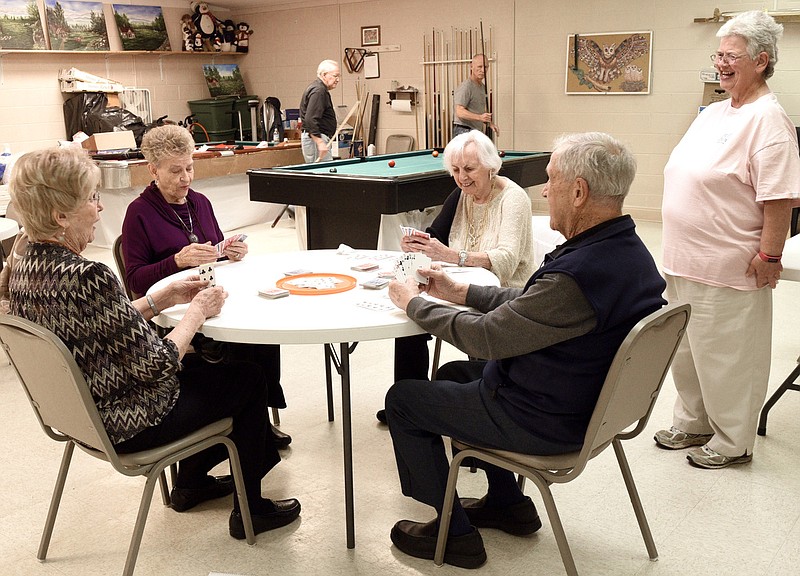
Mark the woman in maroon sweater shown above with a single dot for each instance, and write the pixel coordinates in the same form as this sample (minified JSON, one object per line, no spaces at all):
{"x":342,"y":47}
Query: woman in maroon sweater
{"x":169,"y":228}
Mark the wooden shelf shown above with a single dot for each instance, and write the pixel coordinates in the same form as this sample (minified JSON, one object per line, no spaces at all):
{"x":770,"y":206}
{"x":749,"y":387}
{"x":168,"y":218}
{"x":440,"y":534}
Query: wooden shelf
{"x":781,"y":16}
{"x":122,"y":53}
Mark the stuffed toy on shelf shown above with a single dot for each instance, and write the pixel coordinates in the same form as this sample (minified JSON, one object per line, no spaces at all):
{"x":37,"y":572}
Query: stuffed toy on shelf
{"x":208,"y":26}
{"x":242,"y":40}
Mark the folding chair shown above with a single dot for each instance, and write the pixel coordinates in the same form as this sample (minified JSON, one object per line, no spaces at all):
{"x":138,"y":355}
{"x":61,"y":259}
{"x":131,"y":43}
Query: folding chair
{"x":64,"y":406}
{"x":626,"y":401}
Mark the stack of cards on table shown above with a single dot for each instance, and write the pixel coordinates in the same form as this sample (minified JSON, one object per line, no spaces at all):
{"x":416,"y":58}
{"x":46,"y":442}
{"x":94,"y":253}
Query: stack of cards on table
{"x":411,"y":231}
{"x":409,"y":263}
{"x":206,"y":272}
{"x":227,"y":242}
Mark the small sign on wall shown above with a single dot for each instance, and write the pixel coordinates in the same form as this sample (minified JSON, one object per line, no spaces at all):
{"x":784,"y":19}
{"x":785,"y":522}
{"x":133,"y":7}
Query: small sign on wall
{"x":372,"y":67}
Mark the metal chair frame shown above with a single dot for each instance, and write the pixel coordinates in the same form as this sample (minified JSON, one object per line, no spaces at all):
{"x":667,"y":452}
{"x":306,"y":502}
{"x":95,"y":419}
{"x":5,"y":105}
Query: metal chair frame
{"x":626,"y":401}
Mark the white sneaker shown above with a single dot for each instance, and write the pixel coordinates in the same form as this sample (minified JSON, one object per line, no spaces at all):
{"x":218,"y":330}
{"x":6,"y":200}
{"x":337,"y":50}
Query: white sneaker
{"x":705,"y":457}
{"x":674,"y":439}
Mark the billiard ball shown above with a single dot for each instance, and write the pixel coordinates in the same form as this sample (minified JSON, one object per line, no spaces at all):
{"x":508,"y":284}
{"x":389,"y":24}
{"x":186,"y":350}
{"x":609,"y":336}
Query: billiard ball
{"x":391,"y":163}
{"x":333,"y":169}
{"x":435,"y":153}
{"x":502,"y":153}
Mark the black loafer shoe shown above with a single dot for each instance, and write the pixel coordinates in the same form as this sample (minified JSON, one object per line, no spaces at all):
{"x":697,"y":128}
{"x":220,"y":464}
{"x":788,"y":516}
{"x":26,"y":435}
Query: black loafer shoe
{"x":286,"y":512}
{"x":184,"y":499}
{"x":518,"y":519}
{"x":281,"y":439}
{"x":381,"y":416}
{"x":419,"y":540}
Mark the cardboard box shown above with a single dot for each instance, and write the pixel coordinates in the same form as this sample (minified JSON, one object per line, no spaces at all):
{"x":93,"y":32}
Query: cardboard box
{"x":80,"y":86}
{"x":102,"y":141}
{"x":713,"y":93}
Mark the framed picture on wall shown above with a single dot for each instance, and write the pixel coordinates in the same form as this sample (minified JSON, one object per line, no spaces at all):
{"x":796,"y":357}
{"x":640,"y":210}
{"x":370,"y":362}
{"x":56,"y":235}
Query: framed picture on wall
{"x":370,"y":35}
{"x":76,"y":25}
{"x":141,"y":27}
{"x":21,"y":26}
{"x":609,"y":63}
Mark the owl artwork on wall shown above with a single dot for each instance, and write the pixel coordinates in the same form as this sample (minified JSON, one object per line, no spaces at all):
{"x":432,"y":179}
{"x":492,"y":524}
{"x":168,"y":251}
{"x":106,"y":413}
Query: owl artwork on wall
{"x":615,"y":63}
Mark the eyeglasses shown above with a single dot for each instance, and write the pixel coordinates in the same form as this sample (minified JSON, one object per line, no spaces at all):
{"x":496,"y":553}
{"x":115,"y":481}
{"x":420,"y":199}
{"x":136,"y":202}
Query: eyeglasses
{"x":95,"y":198}
{"x":333,"y":75}
{"x":726,"y":58}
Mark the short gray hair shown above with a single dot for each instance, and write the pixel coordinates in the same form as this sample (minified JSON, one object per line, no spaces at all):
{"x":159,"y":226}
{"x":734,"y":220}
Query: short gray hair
{"x":761,"y":33}
{"x":167,"y":141}
{"x":607,"y":165}
{"x":327,"y":66}
{"x":50,"y":181}
{"x":487,"y":153}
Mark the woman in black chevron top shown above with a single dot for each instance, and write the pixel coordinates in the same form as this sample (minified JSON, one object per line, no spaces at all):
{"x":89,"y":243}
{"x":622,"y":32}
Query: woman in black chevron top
{"x":146,"y":391}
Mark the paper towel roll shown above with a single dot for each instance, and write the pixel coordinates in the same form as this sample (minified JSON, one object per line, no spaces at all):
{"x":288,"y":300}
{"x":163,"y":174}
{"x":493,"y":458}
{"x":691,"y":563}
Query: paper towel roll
{"x":401,"y":105}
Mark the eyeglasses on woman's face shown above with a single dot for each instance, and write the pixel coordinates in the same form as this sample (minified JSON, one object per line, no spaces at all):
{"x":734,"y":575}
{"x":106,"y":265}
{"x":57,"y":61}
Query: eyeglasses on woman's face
{"x":729,"y":58}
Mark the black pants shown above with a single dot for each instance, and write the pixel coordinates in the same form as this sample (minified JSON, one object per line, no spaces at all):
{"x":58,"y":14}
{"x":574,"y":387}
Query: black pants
{"x":411,"y":357}
{"x":458,"y":405}
{"x":267,"y":356}
{"x":210,"y":392}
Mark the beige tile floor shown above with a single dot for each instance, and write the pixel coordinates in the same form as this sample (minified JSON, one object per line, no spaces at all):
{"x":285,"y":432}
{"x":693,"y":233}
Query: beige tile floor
{"x":743,"y":520}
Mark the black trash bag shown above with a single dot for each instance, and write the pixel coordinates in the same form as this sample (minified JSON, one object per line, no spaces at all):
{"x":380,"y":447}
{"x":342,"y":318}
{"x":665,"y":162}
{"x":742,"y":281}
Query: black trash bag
{"x":78,"y":108}
{"x":89,"y":112}
{"x":114,"y":119}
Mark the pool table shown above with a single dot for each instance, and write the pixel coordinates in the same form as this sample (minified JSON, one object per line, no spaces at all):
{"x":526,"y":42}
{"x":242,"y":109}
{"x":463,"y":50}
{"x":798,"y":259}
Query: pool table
{"x":344,"y":199}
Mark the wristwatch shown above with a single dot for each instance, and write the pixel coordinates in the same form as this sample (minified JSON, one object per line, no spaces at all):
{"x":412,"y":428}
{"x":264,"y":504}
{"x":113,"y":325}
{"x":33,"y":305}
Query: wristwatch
{"x":462,"y":258}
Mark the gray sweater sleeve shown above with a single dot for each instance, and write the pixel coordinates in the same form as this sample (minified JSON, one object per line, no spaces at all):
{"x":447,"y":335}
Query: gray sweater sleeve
{"x":508,"y":322}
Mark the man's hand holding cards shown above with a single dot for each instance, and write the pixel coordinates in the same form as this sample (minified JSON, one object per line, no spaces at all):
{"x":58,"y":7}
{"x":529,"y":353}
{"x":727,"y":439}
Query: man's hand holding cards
{"x":408,"y":266}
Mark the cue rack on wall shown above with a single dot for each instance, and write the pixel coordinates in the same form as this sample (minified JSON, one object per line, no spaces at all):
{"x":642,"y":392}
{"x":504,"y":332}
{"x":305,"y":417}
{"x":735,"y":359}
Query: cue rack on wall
{"x":445,"y":66}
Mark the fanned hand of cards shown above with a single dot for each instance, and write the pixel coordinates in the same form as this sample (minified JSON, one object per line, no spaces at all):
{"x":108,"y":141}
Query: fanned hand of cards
{"x":221,"y":246}
{"x":408,"y":265}
{"x":411,"y":231}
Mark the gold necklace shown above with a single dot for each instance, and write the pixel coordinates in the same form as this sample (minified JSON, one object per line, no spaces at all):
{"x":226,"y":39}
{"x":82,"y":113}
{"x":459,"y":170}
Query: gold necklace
{"x":474,"y":232}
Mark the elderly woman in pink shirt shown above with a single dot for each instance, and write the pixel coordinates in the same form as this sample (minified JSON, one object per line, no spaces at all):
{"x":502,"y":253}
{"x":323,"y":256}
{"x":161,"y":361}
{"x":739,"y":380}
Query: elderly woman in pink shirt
{"x":729,"y":186}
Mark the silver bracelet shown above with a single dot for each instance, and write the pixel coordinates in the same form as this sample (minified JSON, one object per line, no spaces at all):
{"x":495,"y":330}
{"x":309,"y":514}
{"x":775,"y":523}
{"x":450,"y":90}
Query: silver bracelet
{"x":152,"y":304}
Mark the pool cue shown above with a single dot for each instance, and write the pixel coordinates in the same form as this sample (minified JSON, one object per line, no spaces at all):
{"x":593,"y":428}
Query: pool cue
{"x":487,"y":125}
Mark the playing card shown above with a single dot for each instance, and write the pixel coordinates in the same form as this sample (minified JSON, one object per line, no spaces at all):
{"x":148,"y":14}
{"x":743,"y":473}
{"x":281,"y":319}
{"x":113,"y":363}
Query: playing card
{"x":365,"y":267}
{"x":411,"y":231}
{"x":227,"y":242}
{"x":376,"y":283}
{"x":409,"y":264}
{"x":273,"y":292}
{"x":206,"y":272}
{"x":376,"y":306}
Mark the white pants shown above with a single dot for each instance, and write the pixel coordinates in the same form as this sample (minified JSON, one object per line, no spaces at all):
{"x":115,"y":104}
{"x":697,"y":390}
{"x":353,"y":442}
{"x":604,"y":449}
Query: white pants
{"x":721,"y":369}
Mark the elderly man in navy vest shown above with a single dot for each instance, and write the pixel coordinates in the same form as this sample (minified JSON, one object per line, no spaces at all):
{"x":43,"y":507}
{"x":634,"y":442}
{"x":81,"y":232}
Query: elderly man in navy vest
{"x":548,"y":347}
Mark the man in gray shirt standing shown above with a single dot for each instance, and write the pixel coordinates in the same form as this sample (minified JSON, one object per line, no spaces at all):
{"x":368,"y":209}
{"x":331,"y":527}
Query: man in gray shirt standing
{"x":470,"y":101}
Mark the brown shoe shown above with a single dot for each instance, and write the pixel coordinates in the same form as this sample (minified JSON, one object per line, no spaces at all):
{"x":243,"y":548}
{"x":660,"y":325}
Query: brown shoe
{"x":418,"y":539}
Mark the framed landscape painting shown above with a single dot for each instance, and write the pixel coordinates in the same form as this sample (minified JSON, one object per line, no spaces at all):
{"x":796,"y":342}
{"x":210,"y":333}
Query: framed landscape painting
{"x":141,"y":27}
{"x":75,"y":25}
{"x":21,"y":26}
